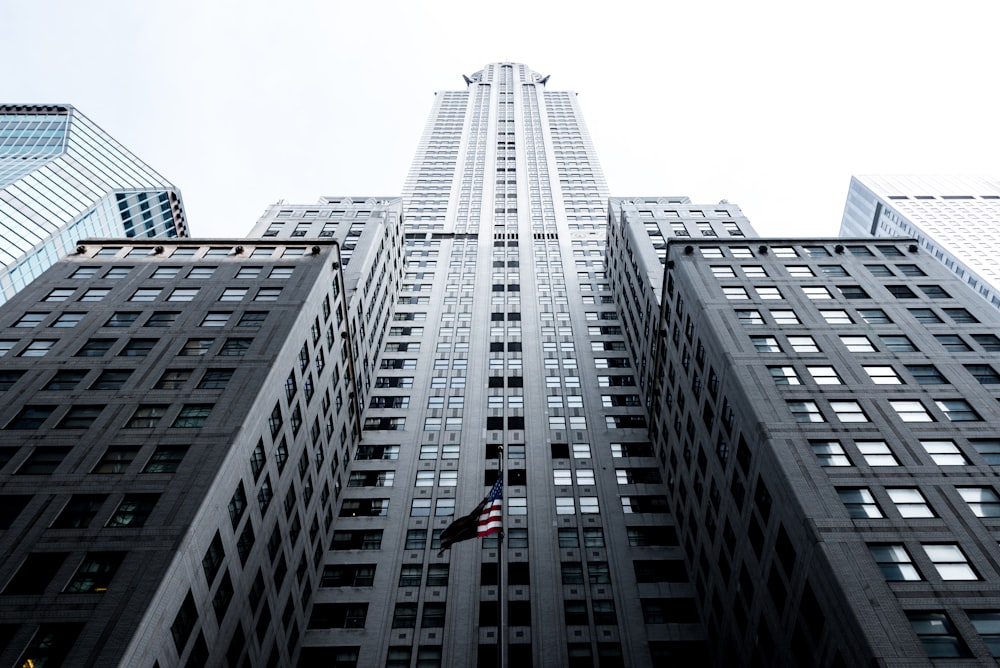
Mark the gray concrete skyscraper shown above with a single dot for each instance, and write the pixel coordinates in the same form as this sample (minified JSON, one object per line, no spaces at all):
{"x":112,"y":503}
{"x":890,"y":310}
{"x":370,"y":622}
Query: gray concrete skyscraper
{"x":62,"y":179}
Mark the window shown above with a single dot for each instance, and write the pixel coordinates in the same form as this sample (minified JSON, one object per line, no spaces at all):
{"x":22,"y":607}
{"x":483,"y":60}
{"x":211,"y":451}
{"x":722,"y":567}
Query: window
{"x":879,"y":270}
{"x":901,"y":292}
{"x":79,"y":417}
{"x":111,"y":379}
{"x":909,"y":502}
{"x":894,"y":562}
{"x":937,"y":635}
{"x":267,"y":295}
{"x":281,"y":272}
{"x":735,"y":292}
{"x":877,"y":453}
{"x":165,"y":459}
{"x":216,"y":319}
{"x":137,"y":348}
{"x":836,"y":317}
{"x":800,"y":271}
{"x":926,"y":374}
{"x":162,"y":319}
{"x":911,"y":411}
{"x":723,"y":272}
{"x":70,"y":319}
{"x":30,"y":417}
{"x":803,"y":344}
{"x":252,"y":319}
{"x":30,"y":319}
{"x":983,"y":501}
{"x":58,"y":295}
{"x":849,"y":411}
{"x":173,"y":379}
{"x":182,"y":294}
{"x":898,"y":343}
{"x":95,"y":572}
{"x":805,"y":411}
{"x":987,"y":625}
{"x":215,"y":379}
{"x":95,"y":348}
{"x":952,"y":342}
{"x":824,"y":375}
{"x":934,"y":291}
{"x":133,"y":511}
{"x":945,"y":453}
{"x":768,"y":292}
{"x":784,"y":375}
{"x":859,"y":502}
{"x":146,"y":417}
{"x":883,"y":375}
{"x":765,"y":344}
{"x":816,"y":292}
{"x":145,"y":294}
{"x":989,"y":342}
{"x":857,"y":344}
{"x":785,"y":317}
{"x":784,"y":251}
{"x":94,"y":294}
{"x":874,"y":316}
{"x":958,"y":410}
{"x":201,"y":272}
{"x":195,"y":347}
{"x":233,"y":294}
{"x":38,"y":348}
{"x":950,"y":562}
{"x":925,"y":316}
{"x":749,"y":317}
{"x":192,"y":416}
{"x":960,"y":315}
{"x":63,"y":380}
{"x":983,"y":373}
{"x":235,"y":347}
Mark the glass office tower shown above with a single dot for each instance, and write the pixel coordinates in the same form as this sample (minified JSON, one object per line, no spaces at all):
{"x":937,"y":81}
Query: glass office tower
{"x":63,"y":179}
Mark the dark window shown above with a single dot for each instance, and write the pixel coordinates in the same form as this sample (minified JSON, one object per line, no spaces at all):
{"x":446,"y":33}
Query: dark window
{"x":138,"y":347}
{"x":853,"y":292}
{"x":898,"y":343}
{"x":901,"y":292}
{"x":984,"y":373}
{"x":95,"y":348}
{"x":111,"y":379}
{"x":192,"y":416}
{"x":133,"y":511}
{"x":43,"y":460}
{"x":116,"y":459}
{"x":936,"y":633}
{"x":960,"y":315}
{"x":162,"y":319}
{"x":173,"y":379}
{"x":50,"y":645}
{"x":252,"y":319}
{"x":121,"y":319}
{"x":35,"y":573}
{"x":213,"y":559}
{"x":8,"y":378}
{"x":95,"y":572}
{"x":235,"y":347}
{"x":146,"y":417}
{"x":952,"y":342}
{"x":79,"y":511}
{"x":184,"y":623}
{"x":925,"y":315}
{"x":166,"y":459}
{"x":989,"y":342}
{"x":237,"y":504}
{"x":66,"y":379}
{"x":79,"y":417}
{"x":935,"y":291}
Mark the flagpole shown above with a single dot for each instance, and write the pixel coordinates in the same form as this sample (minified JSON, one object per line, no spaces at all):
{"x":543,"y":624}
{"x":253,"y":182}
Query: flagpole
{"x":501,"y":616}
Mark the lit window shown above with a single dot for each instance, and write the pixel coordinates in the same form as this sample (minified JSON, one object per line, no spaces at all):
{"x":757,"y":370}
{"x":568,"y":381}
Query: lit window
{"x":911,"y":411}
{"x":784,"y":317}
{"x":836,"y":317}
{"x":909,"y":502}
{"x":182,"y":295}
{"x":983,"y":501}
{"x":735,"y":292}
{"x":883,"y":375}
{"x":145,"y":295}
{"x":769,"y":292}
{"x":749,"y":317}
{"x":950,"y":562}
{"x":824,"y":375}
{"x":857,"y":344}
{"x":803,"y":344}
{"x":877,"y":453}
{"x":800,"y":271}
{"x":94,"y":294}
{"x":37,"y":348}
{"x":233,"y":294}
{"x":945,"y":453}
{"x":816,"y":292}
{"x":849,"y":411}
{"x":267,"y":294}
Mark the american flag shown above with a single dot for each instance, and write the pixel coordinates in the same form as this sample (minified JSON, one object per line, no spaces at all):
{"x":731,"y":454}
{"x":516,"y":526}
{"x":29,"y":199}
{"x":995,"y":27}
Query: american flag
{"x":491,"y":517}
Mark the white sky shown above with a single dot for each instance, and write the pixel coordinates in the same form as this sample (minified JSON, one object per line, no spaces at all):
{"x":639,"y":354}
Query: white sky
{"x":771,"y":105}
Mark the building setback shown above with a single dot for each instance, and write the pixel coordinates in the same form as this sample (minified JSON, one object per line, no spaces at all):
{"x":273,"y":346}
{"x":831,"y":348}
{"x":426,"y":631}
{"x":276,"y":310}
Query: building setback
{"x":62,"y":179}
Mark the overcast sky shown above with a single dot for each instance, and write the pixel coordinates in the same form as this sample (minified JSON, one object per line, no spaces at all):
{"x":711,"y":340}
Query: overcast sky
{"x":771,"y":105}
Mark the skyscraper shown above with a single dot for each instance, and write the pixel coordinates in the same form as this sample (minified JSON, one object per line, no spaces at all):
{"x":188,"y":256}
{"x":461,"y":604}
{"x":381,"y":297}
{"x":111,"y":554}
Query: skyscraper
{"x":956,"y":219}
{"x":62,"y":179}
{"x":716,"y":447}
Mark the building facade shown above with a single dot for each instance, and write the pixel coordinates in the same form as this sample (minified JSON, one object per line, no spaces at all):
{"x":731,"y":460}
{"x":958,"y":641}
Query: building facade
{"x":826,"y":412}
{"x":63,"y":179}
{"x":953,"y":218}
